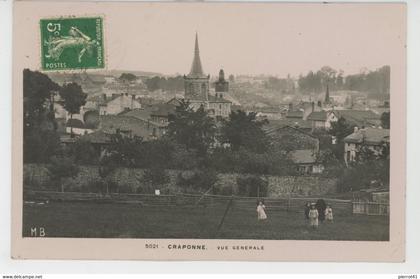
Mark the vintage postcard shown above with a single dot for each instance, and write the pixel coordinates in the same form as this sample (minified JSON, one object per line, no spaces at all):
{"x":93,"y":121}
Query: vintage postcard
{"x":209,"y":131}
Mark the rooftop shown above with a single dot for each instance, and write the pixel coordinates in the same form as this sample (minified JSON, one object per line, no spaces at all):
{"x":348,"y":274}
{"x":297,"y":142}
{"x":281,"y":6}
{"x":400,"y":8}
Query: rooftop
{"x":75,"y":123}
{"x":110,"y":124}
{"x":359,"y":117}
{"x":305,"y":156}
{"x":291,"y":122}
{"x":318,"y":116}
{"x":373,"y":136}
{"x":294,"y":114}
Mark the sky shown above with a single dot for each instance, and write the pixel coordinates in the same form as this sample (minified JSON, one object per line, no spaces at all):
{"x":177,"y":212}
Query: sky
{"x":245,"y":38}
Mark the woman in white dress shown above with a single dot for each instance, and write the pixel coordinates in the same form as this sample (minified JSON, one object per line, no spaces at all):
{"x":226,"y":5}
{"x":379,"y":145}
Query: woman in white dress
{"x":261,"y":211}
{"x":313,"y":217}
{"x":329,"y":214}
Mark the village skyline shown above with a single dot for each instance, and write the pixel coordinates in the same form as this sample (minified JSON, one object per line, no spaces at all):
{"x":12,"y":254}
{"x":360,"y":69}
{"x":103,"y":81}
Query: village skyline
{"x":279,"y":43}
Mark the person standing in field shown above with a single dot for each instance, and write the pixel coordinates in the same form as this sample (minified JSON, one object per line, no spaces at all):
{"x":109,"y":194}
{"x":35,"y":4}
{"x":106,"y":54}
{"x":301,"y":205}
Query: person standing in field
{"x":306,"y":210}
{"x":261,"y":211}
{"x":313,"y":217}
{"x":329,"y":214}
{"x":321,"y":206}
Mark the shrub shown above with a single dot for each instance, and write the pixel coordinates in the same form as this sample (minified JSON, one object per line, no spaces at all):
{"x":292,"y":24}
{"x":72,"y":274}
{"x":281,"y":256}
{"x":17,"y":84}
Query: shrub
{"x":199,"y":180}
{"x":252,"y":186}
{"x":61,"y":168}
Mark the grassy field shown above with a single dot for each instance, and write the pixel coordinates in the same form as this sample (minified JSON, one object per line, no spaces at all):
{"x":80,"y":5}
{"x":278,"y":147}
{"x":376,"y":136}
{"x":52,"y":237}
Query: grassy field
{"x":110,"y":220}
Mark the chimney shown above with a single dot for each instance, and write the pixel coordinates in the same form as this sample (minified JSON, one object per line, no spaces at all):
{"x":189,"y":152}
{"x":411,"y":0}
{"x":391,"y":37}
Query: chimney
{"x":220,"y":95}
{"x":313,"y":106}
{"x":133,"y":97}
{"x":216,"y":94}
{"x":290,"y":107}
{"x":356,"y":129}
{"x":104,"y":97}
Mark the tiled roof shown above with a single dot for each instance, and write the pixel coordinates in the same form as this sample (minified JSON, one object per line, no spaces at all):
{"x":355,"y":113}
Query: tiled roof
{"x":318,"y":116}
{"x":75,"y":123}
{"x":359,"y":117}
{"x":110,"y":124}
{"x":305,"y":156}
{"x":270,"y":110}
{"x":292,"y":122}
{"x":294,"y":114}
{"x":372,"y":136}
{"x":99,"y":137}
{"x":164,"y":110}
{"x":142,"y":113}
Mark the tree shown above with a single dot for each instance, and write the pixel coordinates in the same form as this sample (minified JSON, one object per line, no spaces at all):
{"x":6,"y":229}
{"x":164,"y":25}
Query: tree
{"x":127,"y":77}
{"x":231,"y":78}
{"x":73,"y":98}
{"x":107,"y":166}
{"x":199,"y":180}
{"x":125,"y":150}
{"x":40,"y":139}
{"x":244,"y":130}
{"x":170,"y":83}
{"x":194,"y":129}
{"x":84,"y":153}
{"x":341,"y":129}
{"x":155,"y":177}
{"x":385,"y":120}
{"x":252,"y":186}
{"x":62,"y":167}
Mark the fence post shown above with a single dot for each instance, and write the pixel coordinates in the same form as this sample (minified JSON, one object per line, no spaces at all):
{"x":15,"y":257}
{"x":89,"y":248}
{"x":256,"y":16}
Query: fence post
{"x":224,"y":215}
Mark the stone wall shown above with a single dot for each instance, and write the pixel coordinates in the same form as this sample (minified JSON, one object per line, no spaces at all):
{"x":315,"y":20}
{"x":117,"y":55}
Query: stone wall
{"x":298,"y":186}
{"x":131,"y":180}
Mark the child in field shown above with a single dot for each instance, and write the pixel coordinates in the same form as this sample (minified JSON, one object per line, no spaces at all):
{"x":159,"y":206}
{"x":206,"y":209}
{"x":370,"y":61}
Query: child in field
{"x":261,"y":211}
{"x":313,"y":217}
{"x":329,"y":214}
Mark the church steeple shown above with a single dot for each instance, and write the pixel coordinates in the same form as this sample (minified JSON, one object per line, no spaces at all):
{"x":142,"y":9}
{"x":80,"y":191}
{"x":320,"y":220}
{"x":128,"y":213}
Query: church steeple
{"x":196,"y":68}
{"x":327,"y":96}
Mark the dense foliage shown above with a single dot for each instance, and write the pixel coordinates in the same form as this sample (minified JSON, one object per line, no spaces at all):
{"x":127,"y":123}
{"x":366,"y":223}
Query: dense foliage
{"x":375,"y":83}
{"x":166,"y":84}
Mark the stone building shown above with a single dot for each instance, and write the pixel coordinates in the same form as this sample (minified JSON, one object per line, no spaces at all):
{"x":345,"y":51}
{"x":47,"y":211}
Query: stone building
{"x":375,"y":139}
{"x":197,"y":91}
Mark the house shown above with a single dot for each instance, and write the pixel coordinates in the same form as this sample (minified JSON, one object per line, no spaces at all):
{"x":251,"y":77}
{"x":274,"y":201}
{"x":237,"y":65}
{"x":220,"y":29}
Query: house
{"x":300,"y":124}
{"x":360,"y":118}
{"x":295,"y":114}
{"x":307,"y":108}
{"x":270,"y":113}
{"x":375,"y":139}
{"x":162,"y":112}
{"x":77,"y":127}
{"x":289,"y":138}
{"x":117,"y":104}
{"x":306,"y":161}
{"x":131,"y":126}
{"x":322,"y":119}
{"x":218,"y":106}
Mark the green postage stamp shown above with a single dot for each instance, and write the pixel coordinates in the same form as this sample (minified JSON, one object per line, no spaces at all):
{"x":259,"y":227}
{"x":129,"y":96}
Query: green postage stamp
{"x":72,"y":43}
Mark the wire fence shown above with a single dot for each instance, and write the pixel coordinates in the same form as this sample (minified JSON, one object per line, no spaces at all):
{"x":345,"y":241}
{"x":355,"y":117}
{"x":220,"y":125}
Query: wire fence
{"x":190,"y":200}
